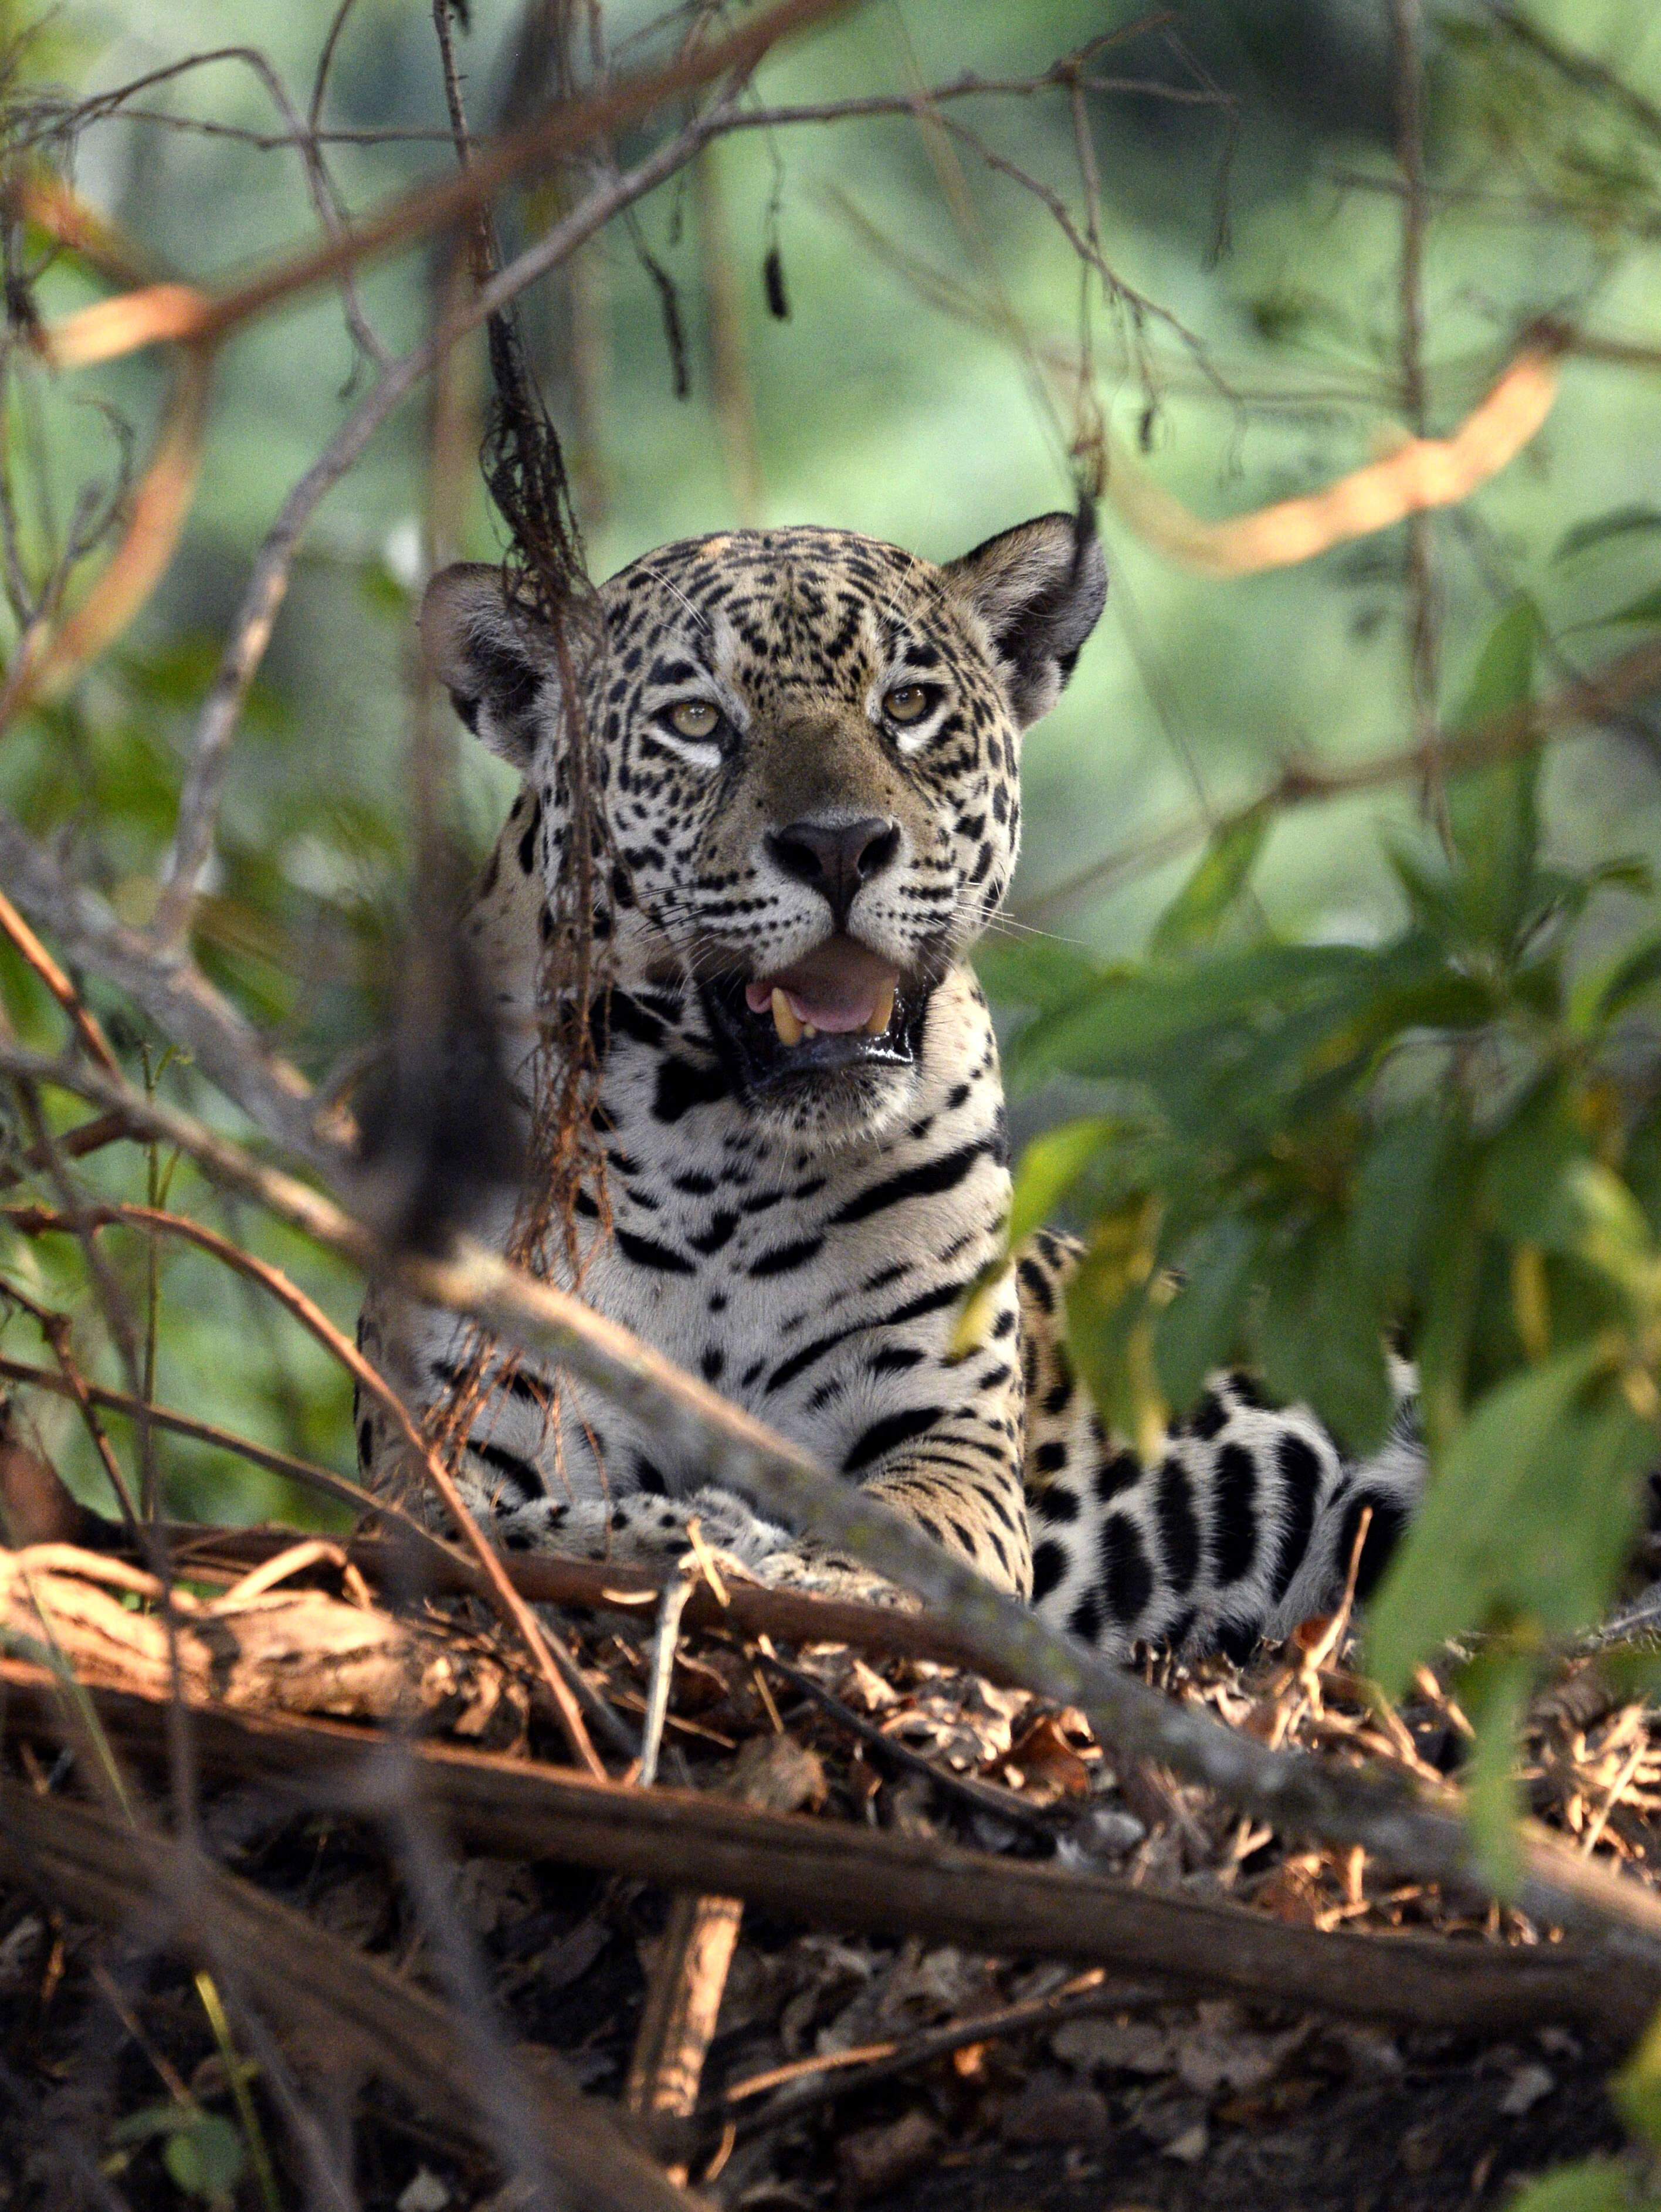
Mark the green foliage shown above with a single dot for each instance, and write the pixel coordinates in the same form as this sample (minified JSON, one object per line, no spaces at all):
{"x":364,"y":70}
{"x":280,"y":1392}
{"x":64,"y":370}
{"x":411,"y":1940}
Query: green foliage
{"x":1637,"y":2087}
{"x":1596,"y":2184}
{"x":1622,"y":523}
{"x":204,"y":2155}
{"x":1454,"y":1133}
{"x":1216,"y":889}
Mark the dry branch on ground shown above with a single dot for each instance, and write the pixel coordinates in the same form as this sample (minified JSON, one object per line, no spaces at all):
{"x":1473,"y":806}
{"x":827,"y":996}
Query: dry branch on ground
{"x":998,"y":1806}
{"x":1168,"y":1896}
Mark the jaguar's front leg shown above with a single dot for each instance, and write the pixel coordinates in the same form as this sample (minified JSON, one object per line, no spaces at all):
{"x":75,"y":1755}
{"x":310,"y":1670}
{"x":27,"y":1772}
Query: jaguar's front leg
{"x":954,"y":1466}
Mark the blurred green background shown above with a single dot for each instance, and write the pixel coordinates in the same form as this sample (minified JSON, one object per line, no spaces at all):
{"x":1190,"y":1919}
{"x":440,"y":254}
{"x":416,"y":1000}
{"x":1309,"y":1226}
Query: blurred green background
{"x":1268,"y":229}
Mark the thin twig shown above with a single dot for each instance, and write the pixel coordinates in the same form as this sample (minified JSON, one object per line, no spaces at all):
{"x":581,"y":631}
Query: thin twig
{"x":1577,"y":68}
{"x":1006,"y":1805}
{"x":540,"y":1641}
{"x":1082,"y":1996}
{"x":1294,"y":1791}
{"x":854,"y":1880}
{"x":90,"y":1136}
{"x":107,"y":1291}
{"x":191,"y":850}
{"x":60,"y":984}
{"x":51,"y":653}
{"x":1406,"y":26}
{"x":1503,"y":737}
{"x":118,"y":327}
{"x":70,"y":1382}
{"x":660,"y":1673}
{"x":303,"y":1472}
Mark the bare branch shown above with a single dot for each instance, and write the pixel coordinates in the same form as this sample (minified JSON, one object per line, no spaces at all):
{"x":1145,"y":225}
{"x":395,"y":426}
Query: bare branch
{"x":193,"y":835}
{"x":30,"y":949}
{"x":1293,"y":1791}
{"x":1578,"y":69}
{"x":75,"y":1144}
{"x":835,"y":1875}
{"x":325,"y":1991}
{"x":1593,"y":700}
{"x":72,"y":1385}
{"x":120,"y":325}
{"x":156,"y":511}
{"x":538,"y":1639}
{"x":1406,"y":27}
{"x":175,"y":994}
{"x":301,"y":1471}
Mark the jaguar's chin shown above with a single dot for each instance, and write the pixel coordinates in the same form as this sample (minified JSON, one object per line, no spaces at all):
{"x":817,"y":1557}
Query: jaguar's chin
{"x":833,"y":1039}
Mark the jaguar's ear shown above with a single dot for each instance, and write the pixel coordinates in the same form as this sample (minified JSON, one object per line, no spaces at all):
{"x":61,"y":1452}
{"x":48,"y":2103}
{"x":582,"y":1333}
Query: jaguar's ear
{"x":1039,"y":589}
{"x":492,"y":659}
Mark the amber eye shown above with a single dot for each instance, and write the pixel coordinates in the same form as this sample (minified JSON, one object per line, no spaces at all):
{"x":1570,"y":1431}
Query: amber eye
{"x":907,"y":702}
{"x":694,"y":718}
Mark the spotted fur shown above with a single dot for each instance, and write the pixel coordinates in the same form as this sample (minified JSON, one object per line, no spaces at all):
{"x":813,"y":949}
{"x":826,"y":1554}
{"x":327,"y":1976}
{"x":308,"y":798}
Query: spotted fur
{"x":796,"y":1222}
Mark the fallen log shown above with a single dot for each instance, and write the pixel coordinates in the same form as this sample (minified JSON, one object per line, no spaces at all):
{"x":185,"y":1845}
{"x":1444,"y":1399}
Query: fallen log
{"x":340,"y":2001}
{"x":257,"y":1649}
{"x":397,"y":1563}
{"x":832,"y":1874}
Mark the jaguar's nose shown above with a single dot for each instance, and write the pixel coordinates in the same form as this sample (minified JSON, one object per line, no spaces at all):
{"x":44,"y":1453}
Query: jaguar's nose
{"x":837,"y":859}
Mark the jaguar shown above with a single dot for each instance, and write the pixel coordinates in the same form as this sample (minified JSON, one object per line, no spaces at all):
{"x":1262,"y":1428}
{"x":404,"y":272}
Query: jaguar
{"x":807,"y":749}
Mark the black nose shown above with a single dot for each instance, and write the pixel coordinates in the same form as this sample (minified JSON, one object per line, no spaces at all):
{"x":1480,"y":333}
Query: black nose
{"x":837,"y":858}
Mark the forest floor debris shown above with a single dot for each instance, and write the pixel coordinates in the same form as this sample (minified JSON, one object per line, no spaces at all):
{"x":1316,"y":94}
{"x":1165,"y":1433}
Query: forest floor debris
{"x":841,"y":2068}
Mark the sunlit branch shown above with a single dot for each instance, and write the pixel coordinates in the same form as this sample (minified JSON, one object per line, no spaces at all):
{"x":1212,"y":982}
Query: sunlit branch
{"x":1634,"y":676}
{"x":1294,"y":1790}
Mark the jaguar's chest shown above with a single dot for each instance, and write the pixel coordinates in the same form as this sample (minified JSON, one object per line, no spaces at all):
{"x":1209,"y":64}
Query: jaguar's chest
{"x":729,"y":1247}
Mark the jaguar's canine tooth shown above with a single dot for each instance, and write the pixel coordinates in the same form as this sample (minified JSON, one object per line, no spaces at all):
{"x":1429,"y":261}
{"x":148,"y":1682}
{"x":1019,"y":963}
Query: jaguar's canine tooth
{"x":882,"y":1013}
{"x":785,"y":1021}
{"x":808,"y":1031}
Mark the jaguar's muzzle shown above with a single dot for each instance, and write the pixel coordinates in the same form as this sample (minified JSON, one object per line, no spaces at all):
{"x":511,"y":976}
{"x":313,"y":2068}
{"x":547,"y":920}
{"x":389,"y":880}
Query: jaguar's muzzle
{"x":839,"y":1008}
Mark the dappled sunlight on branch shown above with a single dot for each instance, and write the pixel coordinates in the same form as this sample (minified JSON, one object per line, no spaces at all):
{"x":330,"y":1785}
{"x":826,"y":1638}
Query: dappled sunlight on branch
{"x":1421,"y":473}
{"x":156,"y":512}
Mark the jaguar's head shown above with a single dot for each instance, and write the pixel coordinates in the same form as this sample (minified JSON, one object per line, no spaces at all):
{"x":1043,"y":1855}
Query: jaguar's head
{"x":809,"y":749}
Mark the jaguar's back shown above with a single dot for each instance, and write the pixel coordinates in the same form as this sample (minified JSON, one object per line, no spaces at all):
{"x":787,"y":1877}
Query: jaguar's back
{"x":809,"y":752}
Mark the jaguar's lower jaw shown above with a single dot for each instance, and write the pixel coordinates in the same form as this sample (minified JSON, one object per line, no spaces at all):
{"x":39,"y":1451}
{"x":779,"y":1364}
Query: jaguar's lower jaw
{"x":841,"y":1012}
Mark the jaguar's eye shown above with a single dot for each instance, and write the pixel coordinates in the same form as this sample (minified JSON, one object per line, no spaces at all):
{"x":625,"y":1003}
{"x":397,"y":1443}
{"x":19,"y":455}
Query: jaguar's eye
{"x":907,"y":703}
{"x":694,"y":718}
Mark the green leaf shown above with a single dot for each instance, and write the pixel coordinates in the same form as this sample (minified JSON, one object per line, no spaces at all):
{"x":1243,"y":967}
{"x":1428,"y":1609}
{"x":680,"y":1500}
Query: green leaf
{"x":1397,"y":1186}
{"x":1504,"y":674}
{"x":1527,"y":1517}
{"x":1637,"y":971}
{"x":1049,"y":1167}
{"x":1526,"y":1178}
{"x":1198,"y":1330}
{"x":1126,"y":1024}
{"x":1108,"y":1327}
{"x":1430,"y":890}
{"x":1599,"y":528}
{"x":1492,"y":811}
{"x":1320,"y":1337}
{"x":1595,"y":2184}
{"x":1636,"y":2089}
{"x":1639,"y":613}
{"x":1612,"y":1234}
{"x":1493,"y":1692}
{"x":1034,"y":971}
{"x":206,"y":2159}
{"x":1448,"y":1287}
{"x":1217,"y":887}
{"x":153,"y":2120}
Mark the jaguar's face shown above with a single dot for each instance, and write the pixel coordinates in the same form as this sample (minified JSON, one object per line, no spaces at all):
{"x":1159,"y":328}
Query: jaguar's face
{"x":808,"y":750}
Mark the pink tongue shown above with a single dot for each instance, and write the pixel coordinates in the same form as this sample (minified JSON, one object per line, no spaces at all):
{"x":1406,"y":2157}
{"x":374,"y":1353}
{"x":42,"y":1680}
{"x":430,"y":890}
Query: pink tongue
{"x":834,"y":1016}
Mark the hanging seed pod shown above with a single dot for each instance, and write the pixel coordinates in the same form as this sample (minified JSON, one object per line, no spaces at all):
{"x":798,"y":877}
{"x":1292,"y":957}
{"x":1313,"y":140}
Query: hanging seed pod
{"x":773,"y":280}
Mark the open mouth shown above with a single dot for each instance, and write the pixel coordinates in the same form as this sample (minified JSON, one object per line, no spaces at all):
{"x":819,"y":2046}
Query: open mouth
{"x":840,"y":1006}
